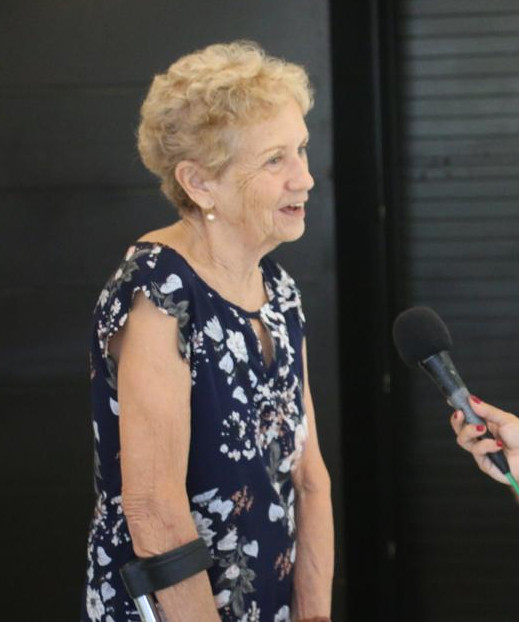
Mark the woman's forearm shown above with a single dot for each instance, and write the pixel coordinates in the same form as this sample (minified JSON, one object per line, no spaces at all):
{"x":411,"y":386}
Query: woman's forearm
{"x":189,"y":601}
{"x":313,"y":572}
{"x":158,"y":527}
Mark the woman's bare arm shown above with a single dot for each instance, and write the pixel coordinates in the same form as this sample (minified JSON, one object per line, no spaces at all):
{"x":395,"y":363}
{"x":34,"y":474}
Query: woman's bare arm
{"x":313,"y":572}
{"x":154,"y":398}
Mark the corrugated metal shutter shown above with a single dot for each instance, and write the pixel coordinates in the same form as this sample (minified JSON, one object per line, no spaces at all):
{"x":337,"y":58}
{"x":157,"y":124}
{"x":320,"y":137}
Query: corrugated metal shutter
{"x":458,"y":543}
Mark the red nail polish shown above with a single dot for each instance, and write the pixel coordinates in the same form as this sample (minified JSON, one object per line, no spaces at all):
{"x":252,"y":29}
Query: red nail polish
{"x":475,"y":399}
{"x":499,"y":443}
{"x":480,"y":428}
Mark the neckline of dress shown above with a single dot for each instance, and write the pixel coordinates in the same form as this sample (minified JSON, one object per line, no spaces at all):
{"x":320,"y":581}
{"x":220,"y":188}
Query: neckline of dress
{"x":214,"y":292}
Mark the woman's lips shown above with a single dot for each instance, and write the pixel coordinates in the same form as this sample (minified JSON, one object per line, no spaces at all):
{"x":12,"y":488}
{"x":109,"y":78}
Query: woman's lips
{"x":297,"y":209}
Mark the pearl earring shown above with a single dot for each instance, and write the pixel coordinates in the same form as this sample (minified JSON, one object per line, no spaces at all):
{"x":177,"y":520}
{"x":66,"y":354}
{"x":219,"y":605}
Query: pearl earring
{"x":210,"y":215}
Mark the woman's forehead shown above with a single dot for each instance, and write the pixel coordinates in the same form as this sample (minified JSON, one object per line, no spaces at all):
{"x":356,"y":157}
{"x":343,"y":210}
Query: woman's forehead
{"x":285,"y":127}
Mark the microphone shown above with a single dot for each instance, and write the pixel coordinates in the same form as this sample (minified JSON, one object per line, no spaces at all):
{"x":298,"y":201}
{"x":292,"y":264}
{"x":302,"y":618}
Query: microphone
{"x":421,"y":338}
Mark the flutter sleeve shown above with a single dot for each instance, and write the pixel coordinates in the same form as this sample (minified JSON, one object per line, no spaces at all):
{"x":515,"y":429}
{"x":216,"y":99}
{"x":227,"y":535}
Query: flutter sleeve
{"x":143,"y":269}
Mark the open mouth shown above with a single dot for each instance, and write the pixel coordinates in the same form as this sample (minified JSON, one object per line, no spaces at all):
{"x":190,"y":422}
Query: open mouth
{"x":292,"y":210}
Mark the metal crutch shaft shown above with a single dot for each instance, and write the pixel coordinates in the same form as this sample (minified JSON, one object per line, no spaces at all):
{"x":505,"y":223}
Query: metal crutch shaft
{"x":147,"y":608}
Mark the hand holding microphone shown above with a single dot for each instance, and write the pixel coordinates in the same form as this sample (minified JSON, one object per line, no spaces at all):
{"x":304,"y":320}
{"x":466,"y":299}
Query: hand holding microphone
{"x":504,"y":426}
{"x":422,"y":339}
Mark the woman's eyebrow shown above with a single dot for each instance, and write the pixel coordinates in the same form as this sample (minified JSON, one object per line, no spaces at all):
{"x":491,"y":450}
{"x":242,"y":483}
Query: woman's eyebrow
{"x":306,"y":139}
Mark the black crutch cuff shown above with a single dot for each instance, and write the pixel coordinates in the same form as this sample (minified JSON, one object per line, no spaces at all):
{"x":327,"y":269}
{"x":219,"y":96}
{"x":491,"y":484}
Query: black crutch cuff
{"x":145,"y":575}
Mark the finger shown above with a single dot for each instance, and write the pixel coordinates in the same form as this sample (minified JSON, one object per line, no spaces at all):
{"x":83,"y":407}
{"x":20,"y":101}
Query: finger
{"x":485,"y":446}
{"x":457,"y":421}
{"x":491,"y":413}
{"x":470,"y":434}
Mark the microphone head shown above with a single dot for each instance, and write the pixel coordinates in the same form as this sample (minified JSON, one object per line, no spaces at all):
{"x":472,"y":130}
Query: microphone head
{"x":418,"y":333}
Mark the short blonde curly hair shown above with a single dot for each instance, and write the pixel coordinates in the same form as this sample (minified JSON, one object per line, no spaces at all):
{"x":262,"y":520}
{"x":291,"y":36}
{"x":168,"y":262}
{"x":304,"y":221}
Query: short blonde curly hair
{"x":191,"y":110}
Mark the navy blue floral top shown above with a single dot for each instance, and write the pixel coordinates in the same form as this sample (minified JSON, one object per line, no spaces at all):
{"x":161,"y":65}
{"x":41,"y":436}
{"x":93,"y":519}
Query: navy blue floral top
{"x":248,"y":429}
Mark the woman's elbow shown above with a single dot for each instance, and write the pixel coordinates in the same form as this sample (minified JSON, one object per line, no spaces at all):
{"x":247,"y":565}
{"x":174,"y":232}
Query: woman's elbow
{"x":314,"y":480}
{"x":157,"y":525}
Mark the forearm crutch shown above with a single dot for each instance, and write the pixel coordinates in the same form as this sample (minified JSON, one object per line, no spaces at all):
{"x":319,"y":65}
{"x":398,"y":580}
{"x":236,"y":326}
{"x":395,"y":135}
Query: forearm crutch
{"x":143,"y":577}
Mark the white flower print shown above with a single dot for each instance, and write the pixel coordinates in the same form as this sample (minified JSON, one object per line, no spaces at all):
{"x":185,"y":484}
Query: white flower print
{"x":300,"y":438}
{"x":284,"y":467}
{"x":102,"y":558}
{"x":203,"y":527}
{"x":222,"y":598}
{"x":284,"y":285}
{"x":107,"y":591}
{"x":236,"y":344}
{"x":276,"y":512}
{"x":249,"y":453}
{"x":223,"y":508}
{"x":203,"y":497}
{"x":253,"y":614}
{"x":116,"y":306}
{"x":234,"y":455}
{"x":103,"y":298}
{"x":261,"y":420}
{"x":95,"y":607}
{"x":239,"y":394}
{"x":172,"y":283}
{"x":229,"y":541}
{"x":232,"y":572}
{"x":227,"y":364}
{"x":253,"y":378}
{"x":282,"y":334}
{"x":213,"y":329}
{"x":283,"y":615}
{"x":251,"y":549}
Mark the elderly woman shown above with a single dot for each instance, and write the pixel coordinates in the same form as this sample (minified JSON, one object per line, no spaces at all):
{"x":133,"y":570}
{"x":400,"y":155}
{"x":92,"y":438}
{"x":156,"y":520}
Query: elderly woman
{"x":203,"y":417}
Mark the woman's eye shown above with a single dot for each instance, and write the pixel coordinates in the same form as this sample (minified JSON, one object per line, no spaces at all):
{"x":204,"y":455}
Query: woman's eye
{"x":302,"y":150}
{"x":274,"y":160}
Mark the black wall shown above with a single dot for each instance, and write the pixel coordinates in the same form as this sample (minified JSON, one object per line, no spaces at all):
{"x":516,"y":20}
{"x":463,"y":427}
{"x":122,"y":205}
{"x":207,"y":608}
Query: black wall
{"x":426,"y":142}
{"x":458,"y":226}
{"x":73,"y":196}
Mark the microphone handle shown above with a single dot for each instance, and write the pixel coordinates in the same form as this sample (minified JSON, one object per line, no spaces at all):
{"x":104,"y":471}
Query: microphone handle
{"x":442,"y":371}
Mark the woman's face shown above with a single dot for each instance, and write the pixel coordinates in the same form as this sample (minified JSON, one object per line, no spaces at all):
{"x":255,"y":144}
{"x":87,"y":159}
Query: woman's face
{"x":263,"y":191}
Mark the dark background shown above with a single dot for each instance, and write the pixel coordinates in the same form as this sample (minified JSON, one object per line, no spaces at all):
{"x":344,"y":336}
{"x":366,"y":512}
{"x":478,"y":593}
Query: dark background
{"x":414,"y":150}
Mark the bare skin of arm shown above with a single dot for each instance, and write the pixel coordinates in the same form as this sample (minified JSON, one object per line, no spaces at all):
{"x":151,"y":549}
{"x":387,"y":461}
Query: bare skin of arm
{"x":154,"y":398}
{"x":313,"y":572}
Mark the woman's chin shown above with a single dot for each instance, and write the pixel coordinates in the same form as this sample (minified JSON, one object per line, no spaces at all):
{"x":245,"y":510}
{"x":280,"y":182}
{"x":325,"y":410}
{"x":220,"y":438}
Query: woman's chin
{"x":292,"y":233}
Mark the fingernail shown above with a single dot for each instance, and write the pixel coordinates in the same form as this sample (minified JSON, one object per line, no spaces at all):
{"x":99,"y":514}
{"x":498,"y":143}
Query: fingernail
{"x":475,"y":399}
{"x":480,"y":428}
{"x":499,"y":443}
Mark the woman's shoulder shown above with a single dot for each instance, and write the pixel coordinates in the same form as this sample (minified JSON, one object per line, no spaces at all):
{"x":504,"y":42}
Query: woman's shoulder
{"x":157,"y":271}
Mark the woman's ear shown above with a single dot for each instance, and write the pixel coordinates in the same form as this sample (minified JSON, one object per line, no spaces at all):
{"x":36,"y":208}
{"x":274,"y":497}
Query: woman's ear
{"x":193,"y":179}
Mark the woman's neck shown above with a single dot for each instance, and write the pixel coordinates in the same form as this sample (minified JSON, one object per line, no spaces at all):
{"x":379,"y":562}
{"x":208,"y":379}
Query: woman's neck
{"x":227,"y":264}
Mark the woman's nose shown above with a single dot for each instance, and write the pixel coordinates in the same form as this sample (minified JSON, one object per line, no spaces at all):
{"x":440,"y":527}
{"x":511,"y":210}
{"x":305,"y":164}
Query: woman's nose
{"x":301,"y":179}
